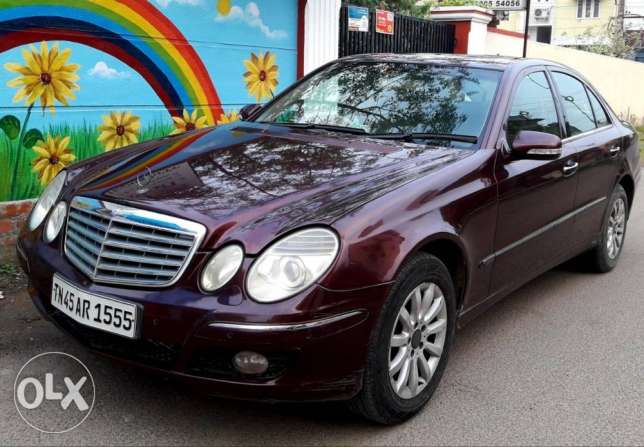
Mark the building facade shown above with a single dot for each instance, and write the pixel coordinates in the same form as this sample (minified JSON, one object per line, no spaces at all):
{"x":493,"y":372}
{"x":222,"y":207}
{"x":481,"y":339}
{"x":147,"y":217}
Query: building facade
{"x":564,"y":22}
{"x":634,"y":25}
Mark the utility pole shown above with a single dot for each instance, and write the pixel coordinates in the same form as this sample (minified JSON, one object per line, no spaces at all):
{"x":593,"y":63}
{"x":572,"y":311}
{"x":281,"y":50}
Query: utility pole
{"x":525,"y":30}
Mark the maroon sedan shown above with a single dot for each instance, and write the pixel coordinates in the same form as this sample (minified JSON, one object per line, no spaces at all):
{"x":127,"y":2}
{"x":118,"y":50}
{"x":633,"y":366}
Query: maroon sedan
{"x":326,"y":247}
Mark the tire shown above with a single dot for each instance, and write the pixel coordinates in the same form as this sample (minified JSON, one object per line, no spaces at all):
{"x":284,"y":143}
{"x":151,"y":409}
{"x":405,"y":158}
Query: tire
{"x":379,"y":400}
{"x":603,"y":258}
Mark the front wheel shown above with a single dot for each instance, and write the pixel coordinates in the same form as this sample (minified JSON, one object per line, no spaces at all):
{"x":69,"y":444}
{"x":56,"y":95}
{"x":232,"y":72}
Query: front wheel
{"x":409,"y":347}
{"x":604,"y":257}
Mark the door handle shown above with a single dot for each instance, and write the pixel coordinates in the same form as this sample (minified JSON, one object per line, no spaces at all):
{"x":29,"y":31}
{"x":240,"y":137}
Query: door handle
{"x":570,"y":169}
{"x":614,"y":150}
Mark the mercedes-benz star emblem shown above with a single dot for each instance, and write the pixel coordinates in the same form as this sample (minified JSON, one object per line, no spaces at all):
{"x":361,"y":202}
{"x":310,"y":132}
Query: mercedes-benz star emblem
{"x":144,"y":178}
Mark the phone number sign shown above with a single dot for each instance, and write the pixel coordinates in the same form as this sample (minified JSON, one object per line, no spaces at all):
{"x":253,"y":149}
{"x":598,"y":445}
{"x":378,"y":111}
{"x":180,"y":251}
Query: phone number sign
{"x":504,"y":5}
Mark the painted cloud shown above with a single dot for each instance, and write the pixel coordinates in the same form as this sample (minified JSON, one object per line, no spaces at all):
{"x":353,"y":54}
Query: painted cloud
{"x":102,"y":70}
{"x":252,"y":17}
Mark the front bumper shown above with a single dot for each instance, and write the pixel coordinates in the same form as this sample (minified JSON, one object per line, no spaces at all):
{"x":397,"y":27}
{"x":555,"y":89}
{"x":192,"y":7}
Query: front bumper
{"x":316,"y":342}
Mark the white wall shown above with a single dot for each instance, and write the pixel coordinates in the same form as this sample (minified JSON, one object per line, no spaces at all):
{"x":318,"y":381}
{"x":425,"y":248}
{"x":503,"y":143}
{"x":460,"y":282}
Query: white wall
{"x":502,"y":45}
{"x":321,"y":33}
{"x":476,"y":38}
{"x":620,"y":81}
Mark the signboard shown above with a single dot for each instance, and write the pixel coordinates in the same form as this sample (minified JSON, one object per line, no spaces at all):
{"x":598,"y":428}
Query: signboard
{"x":504,"y":5}
{"x":358,"y":19}
{"x":384,"y":22}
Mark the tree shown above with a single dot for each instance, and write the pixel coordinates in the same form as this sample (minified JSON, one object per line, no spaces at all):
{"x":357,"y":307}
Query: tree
{"x":416,"y":8}
{"x":613,"y":41}
{"x":405,"y":7}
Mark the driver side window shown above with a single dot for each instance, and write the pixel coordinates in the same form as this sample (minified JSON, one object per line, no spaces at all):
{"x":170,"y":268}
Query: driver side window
{"x":533,"y":107}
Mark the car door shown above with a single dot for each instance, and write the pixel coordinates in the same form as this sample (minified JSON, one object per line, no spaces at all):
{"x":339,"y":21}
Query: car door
{"x":535,"y":196}
{"x":590,"y":133}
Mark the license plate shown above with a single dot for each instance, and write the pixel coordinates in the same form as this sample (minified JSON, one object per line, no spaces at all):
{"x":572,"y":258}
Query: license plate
{"x":100,"y":312}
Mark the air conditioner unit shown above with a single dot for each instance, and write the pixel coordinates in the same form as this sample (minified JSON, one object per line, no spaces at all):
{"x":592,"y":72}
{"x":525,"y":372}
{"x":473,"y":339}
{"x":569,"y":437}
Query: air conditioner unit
{"x":542,"y":13}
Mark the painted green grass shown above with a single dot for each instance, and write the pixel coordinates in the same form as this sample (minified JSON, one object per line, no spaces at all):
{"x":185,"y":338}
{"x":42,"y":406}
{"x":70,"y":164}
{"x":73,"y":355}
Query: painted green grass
{"x":83,"y":142}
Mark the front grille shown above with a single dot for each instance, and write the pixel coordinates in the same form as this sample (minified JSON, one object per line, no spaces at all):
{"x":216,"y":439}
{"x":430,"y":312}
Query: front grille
{"x":115,"y":244}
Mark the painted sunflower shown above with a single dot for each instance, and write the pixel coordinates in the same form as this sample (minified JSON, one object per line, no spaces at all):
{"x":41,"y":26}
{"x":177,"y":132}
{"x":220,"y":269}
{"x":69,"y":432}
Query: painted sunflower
{"x":52,"y":155}
{"x":261,"y":77}
{"x":119,"y":129}
{"x":46,"y":76}
{"x":188,"y":122}
{"x":228,"y":118}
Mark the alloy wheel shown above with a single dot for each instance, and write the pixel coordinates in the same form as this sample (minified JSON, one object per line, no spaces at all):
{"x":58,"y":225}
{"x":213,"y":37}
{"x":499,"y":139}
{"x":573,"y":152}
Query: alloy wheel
{"x":616,"y":228}
{"x":417,"y":340}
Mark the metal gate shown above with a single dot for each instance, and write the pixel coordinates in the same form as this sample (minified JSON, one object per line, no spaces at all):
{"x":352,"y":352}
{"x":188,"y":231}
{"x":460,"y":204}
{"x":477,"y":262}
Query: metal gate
{"x":411,"y":35}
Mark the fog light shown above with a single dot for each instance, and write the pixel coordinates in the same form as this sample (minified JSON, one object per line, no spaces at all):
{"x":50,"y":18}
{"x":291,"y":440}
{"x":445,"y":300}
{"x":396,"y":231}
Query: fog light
{"x":251,"y":363}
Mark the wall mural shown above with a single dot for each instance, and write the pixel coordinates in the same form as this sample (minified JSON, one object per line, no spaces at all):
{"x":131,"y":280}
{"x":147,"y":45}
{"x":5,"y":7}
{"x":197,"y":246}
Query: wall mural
{"x":81,"y":77}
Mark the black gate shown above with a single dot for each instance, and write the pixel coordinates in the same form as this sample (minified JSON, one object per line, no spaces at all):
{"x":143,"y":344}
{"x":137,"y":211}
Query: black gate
{"x":411,"y":35}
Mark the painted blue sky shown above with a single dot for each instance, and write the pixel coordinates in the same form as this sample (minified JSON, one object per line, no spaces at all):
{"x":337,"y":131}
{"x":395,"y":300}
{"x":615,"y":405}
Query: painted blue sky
{"x":222,"y":43}
{"x":258,"y":23}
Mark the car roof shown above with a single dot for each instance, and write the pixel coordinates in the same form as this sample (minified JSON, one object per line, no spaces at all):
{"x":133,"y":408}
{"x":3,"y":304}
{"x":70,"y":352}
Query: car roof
{"x":478,"y":61}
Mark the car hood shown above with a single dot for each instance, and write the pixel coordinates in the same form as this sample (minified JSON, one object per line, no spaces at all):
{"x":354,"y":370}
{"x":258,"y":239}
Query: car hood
{"x":248,"y":177}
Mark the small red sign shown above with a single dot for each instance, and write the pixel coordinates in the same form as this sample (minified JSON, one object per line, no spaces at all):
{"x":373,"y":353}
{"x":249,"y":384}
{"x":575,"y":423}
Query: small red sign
{"x":384,"y":22}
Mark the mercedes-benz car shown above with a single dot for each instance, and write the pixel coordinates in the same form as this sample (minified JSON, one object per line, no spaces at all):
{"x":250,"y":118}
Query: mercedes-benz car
{"x":327,"y":246}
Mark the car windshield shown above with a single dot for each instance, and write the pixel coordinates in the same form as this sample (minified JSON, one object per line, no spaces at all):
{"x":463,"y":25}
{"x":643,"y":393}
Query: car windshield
{"x":391,"y":100}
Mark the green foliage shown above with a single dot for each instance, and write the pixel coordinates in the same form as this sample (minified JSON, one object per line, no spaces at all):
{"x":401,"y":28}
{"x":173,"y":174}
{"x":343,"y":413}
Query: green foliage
{"x":31,"y":138}
{"x":8,"y":269}
{"x":405,"y":7}
{"x":10,"y":125}
{"x":456,"y":3}
{"x":83,"y":143}
{"x":412,"y":7}
{"x":612,"y":41}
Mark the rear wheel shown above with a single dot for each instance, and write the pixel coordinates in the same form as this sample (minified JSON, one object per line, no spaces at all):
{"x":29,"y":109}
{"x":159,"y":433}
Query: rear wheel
{"x":410,"y":344}
{"x":604,"y":256}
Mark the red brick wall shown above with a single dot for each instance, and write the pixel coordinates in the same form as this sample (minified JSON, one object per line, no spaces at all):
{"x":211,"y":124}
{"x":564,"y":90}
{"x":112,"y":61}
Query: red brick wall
{"x":12,"y":216}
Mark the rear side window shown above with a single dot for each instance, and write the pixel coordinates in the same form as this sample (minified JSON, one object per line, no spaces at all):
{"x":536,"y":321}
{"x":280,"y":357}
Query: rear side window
{"x":576,"y":105}
{"x":533,"y":107}
{"x":601,"y":118}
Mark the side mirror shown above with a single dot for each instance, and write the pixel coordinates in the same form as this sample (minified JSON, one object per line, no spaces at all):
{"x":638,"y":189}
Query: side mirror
{"x":536,"y":145}
{"x":248,"y":110}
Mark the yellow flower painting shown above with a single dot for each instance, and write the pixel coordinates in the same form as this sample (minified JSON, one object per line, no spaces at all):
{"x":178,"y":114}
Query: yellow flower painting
{"x":189,"y":121}
{"x":46,"y":76}
{"x":261,"y":77}
{"x":52,"y":155}
{"x":119,"y":129}
{"x":228,"y":118}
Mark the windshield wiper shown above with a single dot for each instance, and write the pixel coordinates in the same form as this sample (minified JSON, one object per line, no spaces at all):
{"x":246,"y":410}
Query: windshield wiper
{"x":410,"y":136}
{"x":331,"y":127}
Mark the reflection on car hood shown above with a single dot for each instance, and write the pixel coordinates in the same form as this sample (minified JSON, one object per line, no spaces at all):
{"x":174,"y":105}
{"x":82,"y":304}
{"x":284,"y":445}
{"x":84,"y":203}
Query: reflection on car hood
{"x":244,"y":176}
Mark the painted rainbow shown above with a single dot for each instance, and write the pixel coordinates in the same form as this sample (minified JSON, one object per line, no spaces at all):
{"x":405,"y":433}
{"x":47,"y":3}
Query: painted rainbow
{"x":132,"y":166}
{"x":133,"y":31}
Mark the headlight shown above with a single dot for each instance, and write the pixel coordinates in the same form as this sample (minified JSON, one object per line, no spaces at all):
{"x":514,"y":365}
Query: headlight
{"x":46,"y":201}
{"x":55,"y":222}
{"x":292,"y":264}
{"x":221,"y":268}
